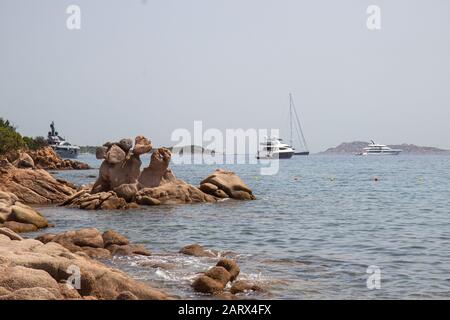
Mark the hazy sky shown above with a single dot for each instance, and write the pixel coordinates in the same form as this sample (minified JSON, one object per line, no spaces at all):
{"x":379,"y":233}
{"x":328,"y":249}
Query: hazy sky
{"x":149,"y":67}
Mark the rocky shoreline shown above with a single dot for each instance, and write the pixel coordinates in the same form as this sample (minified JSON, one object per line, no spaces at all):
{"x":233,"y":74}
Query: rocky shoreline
{"x":39,"y":267}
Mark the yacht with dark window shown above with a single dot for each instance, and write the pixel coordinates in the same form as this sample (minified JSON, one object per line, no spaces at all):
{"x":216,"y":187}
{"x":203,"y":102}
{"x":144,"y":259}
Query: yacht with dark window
{"x":379,"y":149}
{"x":274,"y":148}
{"x":63,"y":148}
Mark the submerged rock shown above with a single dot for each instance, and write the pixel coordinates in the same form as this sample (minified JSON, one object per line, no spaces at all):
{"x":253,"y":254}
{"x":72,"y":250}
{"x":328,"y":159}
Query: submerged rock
{"x":197,"y":250}
{"x":215,"y":279}
{"x":244,"y":286}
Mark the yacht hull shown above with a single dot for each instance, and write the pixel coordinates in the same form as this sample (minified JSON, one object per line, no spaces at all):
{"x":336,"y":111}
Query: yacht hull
{"x":67,"y":153}
{"x":281,"y":155}
{"x":304,"y":153}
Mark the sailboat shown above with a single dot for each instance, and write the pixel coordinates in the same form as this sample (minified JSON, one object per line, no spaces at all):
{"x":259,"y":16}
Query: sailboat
{"x":298,"y":128}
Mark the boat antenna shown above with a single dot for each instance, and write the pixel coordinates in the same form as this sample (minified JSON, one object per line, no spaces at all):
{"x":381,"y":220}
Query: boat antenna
{"x":299,"y":125}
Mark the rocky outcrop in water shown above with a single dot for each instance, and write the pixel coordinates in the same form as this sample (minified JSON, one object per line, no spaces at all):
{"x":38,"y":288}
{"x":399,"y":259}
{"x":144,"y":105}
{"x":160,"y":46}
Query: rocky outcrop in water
{"x":215,"y":279}
{"x":91,"y":242}
{"x":33,"y":186}
{"x":30,"y":269}
{"x":19,"y":217}
{"x":46,"y":158}
{"x":121,"y":184}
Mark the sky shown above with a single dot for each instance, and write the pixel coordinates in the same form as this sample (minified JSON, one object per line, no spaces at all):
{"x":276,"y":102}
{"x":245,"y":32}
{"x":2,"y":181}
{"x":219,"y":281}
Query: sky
{"x":152,"y":66}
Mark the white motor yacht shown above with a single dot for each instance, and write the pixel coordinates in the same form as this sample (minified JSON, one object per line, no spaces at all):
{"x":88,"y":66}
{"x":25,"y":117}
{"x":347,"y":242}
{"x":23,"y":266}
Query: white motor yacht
{"x":379,"y":149}
{"x":63,"y":148}
{"x":274,"y":148}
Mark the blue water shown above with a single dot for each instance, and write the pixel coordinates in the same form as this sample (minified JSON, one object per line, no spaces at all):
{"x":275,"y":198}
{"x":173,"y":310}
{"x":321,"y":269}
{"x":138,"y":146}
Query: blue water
{"x":312,"y":233}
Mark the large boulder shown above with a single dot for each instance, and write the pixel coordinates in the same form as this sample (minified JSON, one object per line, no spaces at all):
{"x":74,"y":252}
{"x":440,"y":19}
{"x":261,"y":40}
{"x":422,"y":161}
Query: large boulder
{"x":214,"y":280}
{"x":228,"y":182}
{"x":28,"y":216}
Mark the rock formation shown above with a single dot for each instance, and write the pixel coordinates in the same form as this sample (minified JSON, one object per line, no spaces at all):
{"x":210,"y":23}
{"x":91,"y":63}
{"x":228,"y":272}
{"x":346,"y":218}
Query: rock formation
{"x":30,"y":269}
{"x":215,"y":279}
{"x":121,"y":184}
{"x":17,"y":216}
{"x":33,"y":186}
{"x":46,"y":158}
{"x":93,"y":243}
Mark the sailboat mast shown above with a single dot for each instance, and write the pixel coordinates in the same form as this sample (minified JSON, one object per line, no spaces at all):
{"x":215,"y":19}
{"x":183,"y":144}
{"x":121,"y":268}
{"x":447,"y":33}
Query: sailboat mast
{"x":290,"y":118}
{"x":301,"y":130}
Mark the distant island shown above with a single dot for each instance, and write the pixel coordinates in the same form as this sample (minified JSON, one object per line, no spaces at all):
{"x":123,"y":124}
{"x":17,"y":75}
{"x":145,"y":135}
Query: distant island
{"x":347,"y":148}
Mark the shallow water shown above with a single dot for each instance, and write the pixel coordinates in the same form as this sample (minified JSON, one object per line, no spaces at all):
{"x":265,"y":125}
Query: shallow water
{"x":315,"y":228}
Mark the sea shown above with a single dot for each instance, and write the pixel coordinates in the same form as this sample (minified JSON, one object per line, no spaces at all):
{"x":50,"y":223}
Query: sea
{"x":322,"y":227}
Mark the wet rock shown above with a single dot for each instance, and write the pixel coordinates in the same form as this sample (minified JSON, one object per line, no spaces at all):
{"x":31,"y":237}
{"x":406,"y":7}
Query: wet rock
{"x":128,"y":250}
{"x":112,"y":237}
{"x":242,"y":286}
{"x":197,"y":251}
{"x":206,"y":284}
{"x":215,"y":279}
{"x":219,"y":274}
{"x":231,"y":266}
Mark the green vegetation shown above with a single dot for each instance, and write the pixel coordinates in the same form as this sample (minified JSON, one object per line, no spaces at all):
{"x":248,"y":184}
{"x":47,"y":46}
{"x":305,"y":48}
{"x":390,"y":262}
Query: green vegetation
{"x":11,"y":140}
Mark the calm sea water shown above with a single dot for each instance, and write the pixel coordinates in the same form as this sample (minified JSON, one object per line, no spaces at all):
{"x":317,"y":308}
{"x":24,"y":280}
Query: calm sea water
{"x":316,"y":227}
